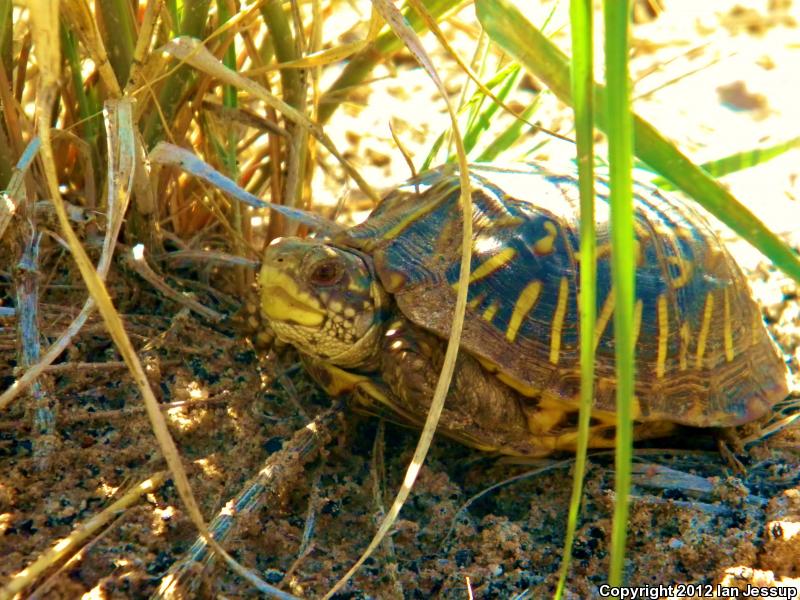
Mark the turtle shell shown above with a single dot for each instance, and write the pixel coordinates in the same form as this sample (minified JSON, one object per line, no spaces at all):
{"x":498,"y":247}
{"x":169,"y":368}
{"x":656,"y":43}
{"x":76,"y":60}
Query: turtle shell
{"x":703,"y":355}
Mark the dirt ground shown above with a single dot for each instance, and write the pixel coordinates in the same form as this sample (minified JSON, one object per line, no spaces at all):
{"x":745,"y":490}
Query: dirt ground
{"x":717,"y":79}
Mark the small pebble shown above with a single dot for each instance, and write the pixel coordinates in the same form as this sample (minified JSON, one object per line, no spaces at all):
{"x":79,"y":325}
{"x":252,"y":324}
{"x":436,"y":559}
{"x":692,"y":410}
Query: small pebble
{"x":675,"y":544}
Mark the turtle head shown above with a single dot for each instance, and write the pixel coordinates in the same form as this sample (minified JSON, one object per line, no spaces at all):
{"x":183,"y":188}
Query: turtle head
{"x":323,"y":299}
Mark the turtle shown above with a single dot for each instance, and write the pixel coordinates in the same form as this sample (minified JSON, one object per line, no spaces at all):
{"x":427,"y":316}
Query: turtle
{"x":369,"y":310}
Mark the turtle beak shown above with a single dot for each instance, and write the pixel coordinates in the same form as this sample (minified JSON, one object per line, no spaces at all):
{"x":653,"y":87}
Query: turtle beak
{"x":281,"y":298}
{"x":282,"y":301}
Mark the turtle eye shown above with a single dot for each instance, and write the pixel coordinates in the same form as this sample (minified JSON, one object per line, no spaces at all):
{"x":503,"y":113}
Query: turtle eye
{"x":326,"y":273}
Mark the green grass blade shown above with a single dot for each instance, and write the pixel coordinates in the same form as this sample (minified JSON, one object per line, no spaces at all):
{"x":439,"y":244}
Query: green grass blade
{"x":119,"y":31}
{"x":478,"y":64}
{"x":738,"y":161}
{"x":481,"y":120}
{"x":511,"y":134}
{"x":620,"y":155}
{"x":89,"y":108}
{"x":506,"y":79}
{"x":230,"y":100}
{"x":513,"y":33}
{"x":6,"y":35}
{"x":175,"y":14}
{"x":582,"y":81}
{"x":359,"y":66}
{"x":6,"y":62}
{"x":434,"y":151}
{"x":192,"y":23}
{"x":286,"y":50}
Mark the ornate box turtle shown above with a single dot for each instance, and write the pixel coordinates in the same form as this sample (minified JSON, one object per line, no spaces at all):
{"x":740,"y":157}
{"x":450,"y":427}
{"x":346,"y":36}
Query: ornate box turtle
{"x":370,"y":312}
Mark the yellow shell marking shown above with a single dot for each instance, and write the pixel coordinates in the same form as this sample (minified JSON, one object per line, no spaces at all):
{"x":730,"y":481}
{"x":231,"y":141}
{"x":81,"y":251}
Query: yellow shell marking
{"x":413,"y":216}
{"x":637,"y":253}
{"x":475,"y":302}
{"x":641,"y":231}
{"x":728,"y":327}
{"x":507,"y":221}
{"x":490,"y":312}
{"x":685,"y":336}
{"x":558,"y":321}
{"x":637,"y":320}
{"x":396,"y":281}
{"x":545,"y":245}
{"x":604,"y":317}
{"x":522,"y":388}
{"x":686,"y":268}
{"x":602,"y":250}
{"x":526,"y":301}
{"x":549,"y":413}
{"x":490,"y":265}
{"x":702,"y":338}
{"x":663,"y":336}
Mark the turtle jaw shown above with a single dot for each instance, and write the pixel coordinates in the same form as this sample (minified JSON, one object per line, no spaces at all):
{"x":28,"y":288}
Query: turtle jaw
{"x":322,"y":299}
{"x":282,"y":300}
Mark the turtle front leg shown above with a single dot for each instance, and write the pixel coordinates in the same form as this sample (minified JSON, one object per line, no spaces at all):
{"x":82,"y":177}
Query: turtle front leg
{"x":479,"y":410}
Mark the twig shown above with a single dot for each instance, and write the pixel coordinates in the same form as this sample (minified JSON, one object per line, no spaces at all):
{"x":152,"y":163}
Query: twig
{"x":86,"y":416}
{"x":205,"y":257}
{"x":311,"y":520}
{"x":659,"y":477}
{"x":44,"y":403}
{"x":95,"y":366}
{"x":42,"y":590}
{"x":711,"y":509}
{"x":306,"y":544}
{"x":378,"y":488}
{"x":119,"y":177}
{"x":138,"y":263}
{"x":9,"y":199}
{"x":500,"y":484}
{"x":68,"y":546}
{"x":279,"y":471}
{"x":783,"y":415}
